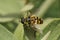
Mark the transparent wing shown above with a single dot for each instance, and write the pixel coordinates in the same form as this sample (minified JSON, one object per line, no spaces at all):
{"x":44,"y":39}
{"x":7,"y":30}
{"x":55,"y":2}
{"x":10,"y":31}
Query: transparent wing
{"x":38,"y":29}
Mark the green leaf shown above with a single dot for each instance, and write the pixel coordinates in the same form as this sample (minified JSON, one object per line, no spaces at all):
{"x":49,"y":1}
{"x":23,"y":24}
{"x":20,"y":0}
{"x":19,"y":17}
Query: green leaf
{"x":44,"y":7}
{"x":46,"y":35}
{"x":53,"y":11}
{"x":8,"y":7}
{"x":27,"y":7}
{"x":11,"y":26}
{"x":19,"y":31}
{"x":6,"y":19}
{"x":5,"y":34}
{"x":55,"y":33}
{"x":25,"y":37}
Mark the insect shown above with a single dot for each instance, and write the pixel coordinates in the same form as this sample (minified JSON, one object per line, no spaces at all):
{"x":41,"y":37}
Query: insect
{"x":31,"y":21}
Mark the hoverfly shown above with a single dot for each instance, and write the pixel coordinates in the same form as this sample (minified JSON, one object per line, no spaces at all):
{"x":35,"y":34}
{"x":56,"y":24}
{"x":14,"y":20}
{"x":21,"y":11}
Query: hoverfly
{"x":32,"y":21}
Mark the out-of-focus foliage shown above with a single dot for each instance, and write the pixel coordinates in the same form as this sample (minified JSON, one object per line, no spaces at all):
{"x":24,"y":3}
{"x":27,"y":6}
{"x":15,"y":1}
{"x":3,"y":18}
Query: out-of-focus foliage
{"x":11,"y":7}
{"x":5,"y":34}
{"x":54,"y":10}
{"x":19,"y":31}
{"x":11,"y":12}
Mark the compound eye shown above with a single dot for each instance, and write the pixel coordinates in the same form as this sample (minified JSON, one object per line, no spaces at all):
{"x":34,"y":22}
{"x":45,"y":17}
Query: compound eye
{"x":22,"y":20}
